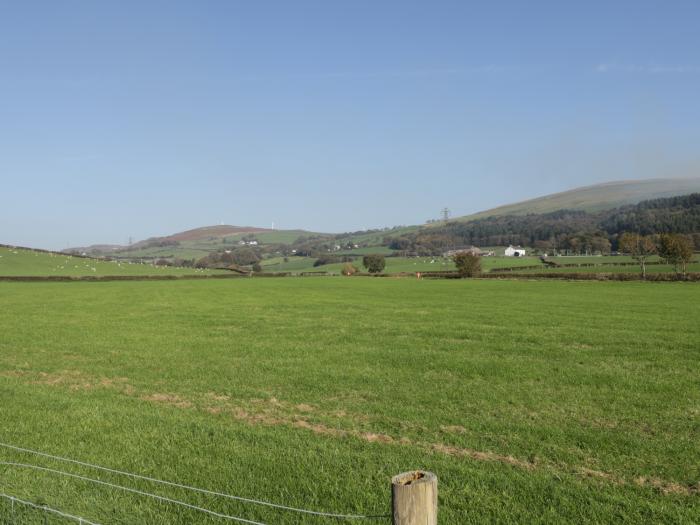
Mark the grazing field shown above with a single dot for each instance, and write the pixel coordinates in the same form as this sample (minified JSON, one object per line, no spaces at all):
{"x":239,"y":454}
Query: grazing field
{"x":16,"y":261}
{"x":534,"y":402}
{"x":609,"y":268}
{"x":428,"y":264}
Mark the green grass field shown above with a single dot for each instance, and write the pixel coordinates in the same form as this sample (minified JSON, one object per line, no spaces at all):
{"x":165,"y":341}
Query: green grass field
{"x":16,"y":262}
{"x":427,"y":264}
{"x":534,"y":402}
{"x":653,"y":268}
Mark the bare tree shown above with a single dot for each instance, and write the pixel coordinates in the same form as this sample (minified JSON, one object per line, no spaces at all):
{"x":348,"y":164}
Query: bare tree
{"x":640,"y":247}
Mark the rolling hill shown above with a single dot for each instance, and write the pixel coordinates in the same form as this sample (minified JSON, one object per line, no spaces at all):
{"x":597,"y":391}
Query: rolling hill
{"x":595,"y":198}
{"x":195,"y":243}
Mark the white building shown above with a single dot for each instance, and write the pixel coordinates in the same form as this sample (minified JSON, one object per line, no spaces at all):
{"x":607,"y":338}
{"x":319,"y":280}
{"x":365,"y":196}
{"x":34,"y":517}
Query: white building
{"x":515,"y":251}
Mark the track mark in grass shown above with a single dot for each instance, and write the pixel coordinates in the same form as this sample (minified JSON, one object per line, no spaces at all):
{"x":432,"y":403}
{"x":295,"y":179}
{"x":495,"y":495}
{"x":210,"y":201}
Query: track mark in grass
{"x":272,"y":412}
{"x":168,"y":399}
{"x":71,"y":379}
{"x":481,"y":456}
{"x":668,"y":487}
{"x":591,"y":473}
{"x":453,"y":429}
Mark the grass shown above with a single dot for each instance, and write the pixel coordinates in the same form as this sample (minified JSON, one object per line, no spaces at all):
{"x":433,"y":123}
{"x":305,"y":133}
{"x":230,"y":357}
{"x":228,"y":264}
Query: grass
{"x":427,"y":264}
{"x":15,"y":262}
{"x":534,"y":402}
{"x":604,"y":268}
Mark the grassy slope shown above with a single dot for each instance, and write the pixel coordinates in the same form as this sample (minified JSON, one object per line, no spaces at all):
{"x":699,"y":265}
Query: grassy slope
{"x":596,"y":198}
{"x":535,"y":402}
{"x":30,"y":263}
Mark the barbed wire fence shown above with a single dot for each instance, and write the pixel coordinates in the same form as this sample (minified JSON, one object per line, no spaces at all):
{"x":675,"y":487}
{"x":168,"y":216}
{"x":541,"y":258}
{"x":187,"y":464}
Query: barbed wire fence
{"x":16,"y":502}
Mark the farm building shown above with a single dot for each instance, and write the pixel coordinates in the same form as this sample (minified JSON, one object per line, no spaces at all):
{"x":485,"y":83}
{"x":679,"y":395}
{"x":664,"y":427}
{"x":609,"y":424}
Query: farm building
{"x":515,"y":251}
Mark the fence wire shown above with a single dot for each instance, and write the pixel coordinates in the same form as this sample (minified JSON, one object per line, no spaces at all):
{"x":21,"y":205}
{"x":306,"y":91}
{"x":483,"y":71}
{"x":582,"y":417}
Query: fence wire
{"x":177,"y":485}
{"x":44,"y":508}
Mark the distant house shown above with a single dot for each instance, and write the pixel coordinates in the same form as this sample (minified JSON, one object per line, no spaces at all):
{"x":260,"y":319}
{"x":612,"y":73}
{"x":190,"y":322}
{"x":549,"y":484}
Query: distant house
{"x":515,"y":251}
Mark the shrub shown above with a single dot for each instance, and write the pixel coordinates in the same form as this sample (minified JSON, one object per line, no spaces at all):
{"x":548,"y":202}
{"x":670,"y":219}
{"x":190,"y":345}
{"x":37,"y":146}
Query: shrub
{"x":349,"y":269}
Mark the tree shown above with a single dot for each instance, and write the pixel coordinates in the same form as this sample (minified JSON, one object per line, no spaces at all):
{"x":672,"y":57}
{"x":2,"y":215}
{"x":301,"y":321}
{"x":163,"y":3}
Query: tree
{"x":676,"y":250}
{"x":244,"y":256}
{"x":640,"y":247}
{"x":257,"y":268}
{"x":374,"y":263}
{"x":468,"y":264}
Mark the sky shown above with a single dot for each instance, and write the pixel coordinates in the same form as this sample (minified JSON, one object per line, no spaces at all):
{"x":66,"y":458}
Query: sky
{"x":143,"y":118}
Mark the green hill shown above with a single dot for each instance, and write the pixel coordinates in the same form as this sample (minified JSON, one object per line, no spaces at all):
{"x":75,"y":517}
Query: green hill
{"x":195,"y":243}
{"x":595,"y":198}
{"x":26,"y":262}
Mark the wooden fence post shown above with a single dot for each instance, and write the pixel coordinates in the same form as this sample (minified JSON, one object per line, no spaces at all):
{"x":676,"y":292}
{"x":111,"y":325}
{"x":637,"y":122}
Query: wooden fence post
{"x":414,"y":498}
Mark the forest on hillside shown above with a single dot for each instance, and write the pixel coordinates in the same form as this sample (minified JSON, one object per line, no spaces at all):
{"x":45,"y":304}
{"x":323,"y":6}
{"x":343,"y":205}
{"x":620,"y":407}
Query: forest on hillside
{"x":570,"y":231}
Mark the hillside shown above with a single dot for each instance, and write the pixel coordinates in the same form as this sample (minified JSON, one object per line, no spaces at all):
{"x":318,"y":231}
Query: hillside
{"x":570,"y":231}
{"x":26,"y":262}
{"x":595,"y":198}
{"x":200,"y":242}
{"x":195,"y":243}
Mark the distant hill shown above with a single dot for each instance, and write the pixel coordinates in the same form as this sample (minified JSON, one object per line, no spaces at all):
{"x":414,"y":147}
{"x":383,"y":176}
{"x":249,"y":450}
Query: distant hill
{"x":594,"y":198}
{"x":195,"y":243}
{"x":207,"y":233}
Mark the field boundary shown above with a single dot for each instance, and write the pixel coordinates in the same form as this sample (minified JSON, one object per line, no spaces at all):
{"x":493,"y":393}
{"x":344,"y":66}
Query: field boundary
{"x":102,"y":278}
{"x":596,"y":276}
{"x":165,"y":499}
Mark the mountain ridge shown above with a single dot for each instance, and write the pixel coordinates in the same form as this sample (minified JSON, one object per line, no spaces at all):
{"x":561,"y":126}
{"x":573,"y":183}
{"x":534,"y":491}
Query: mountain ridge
{"x":595,"y":197}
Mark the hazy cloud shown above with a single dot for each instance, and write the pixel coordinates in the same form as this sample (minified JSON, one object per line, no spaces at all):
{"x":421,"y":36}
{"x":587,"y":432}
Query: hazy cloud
{"x":650,"y":69}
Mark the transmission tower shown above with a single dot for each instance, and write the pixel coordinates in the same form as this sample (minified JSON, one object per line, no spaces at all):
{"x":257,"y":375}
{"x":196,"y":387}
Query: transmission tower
{"x":445,"y":214}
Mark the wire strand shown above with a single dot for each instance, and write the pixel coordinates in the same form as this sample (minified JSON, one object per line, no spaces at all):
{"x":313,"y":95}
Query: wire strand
{"x":195,"y":489}
{"x":46,"y":508}
{"x":134,"y":491}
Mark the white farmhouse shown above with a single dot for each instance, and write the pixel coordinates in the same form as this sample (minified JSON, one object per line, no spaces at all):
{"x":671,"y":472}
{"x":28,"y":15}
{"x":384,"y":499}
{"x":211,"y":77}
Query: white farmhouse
{"x":515,"y":251}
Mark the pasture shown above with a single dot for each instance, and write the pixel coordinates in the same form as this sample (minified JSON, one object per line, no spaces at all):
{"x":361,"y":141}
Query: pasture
{"x":534,"y":402}
{"x":17,"y":261}
{"x":431,"y":264}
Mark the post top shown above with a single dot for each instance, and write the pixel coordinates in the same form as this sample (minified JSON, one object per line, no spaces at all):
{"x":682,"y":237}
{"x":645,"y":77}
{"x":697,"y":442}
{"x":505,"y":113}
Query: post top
{"x":413,"y":477}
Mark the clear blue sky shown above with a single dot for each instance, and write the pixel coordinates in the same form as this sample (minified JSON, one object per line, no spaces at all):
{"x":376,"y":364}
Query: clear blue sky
{"x":141,"y":118}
